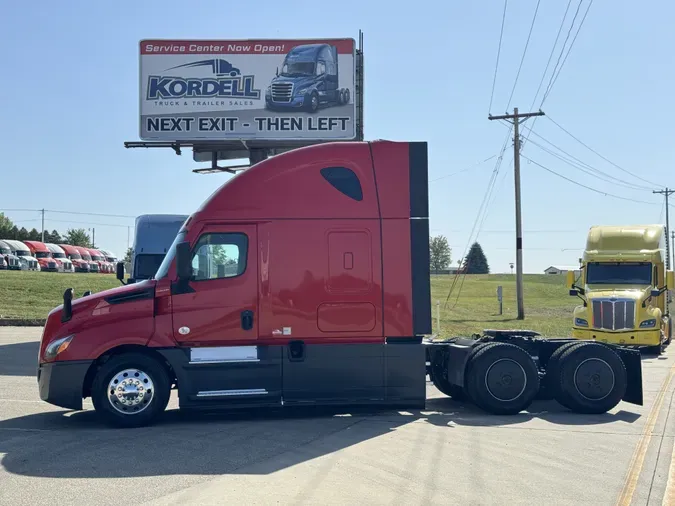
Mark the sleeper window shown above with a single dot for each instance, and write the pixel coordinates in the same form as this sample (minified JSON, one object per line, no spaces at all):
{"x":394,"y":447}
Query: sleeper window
{"x":218,"y":256}
{"x":344,"y":180}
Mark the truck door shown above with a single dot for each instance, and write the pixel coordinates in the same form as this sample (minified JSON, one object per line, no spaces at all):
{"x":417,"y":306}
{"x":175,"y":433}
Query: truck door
{"x":215,"y":319}
{"x":219,"y":305}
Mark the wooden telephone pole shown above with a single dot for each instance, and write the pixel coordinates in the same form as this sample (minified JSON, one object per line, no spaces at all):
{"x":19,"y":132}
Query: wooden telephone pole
{"x":667,"y":192}
{"x":517,"y":118}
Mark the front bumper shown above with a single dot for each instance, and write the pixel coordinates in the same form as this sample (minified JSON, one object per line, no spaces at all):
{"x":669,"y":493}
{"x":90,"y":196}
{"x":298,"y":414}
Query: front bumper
{"x":296,"y":102}
{"x":650,"y":337}
{"x":61,"y":383}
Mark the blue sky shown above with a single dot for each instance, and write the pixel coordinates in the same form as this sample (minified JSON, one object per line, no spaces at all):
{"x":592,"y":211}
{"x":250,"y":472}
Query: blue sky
{"x":70,"y":100}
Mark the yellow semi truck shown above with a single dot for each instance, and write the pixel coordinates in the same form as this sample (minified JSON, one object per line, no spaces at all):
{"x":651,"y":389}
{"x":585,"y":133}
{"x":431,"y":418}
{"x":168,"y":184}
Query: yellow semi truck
{"x":624,"y":285}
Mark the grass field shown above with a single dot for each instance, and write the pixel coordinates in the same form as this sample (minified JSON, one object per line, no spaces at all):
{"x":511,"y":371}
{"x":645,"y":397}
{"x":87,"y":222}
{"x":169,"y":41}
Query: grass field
{"x":548,"y":308}
{"x":31,"y":295}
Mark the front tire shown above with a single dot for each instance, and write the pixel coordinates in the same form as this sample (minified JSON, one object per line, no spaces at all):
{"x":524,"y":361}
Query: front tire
{"x":130,"y":390}
{"x":313,"y":104}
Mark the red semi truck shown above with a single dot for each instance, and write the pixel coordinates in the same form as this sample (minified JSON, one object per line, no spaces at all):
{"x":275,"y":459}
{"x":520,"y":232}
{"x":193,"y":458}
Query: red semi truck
{"x":73,"y":254}
{"x":304,"y":280}
{"x":44,"y":257}
{"x":103,"y":265}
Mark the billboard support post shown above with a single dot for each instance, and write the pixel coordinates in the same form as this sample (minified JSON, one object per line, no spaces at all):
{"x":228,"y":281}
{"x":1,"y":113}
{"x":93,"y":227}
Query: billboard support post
{"x":248,"y":99}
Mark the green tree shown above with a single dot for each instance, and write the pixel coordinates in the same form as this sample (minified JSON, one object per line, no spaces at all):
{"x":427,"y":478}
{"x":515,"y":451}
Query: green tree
{"x":53,"y":237}
{"x":127,"y":255}
{"x":78,"y":237}
{"x":34,"y":235}
{"x":439,"y":253}
{"x":476,"y":262}
{"x":23,"y":234}
{"x":6,"y":227}
{"x":14,"y":233}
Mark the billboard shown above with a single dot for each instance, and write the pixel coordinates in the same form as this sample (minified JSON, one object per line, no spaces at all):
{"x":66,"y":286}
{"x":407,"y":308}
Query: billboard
{"x":247,"y":89}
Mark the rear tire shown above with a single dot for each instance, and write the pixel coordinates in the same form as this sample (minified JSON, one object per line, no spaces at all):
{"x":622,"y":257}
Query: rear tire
{"x":552,"y":378}
{"x":130,"y":390}
{"x":592,"y":378}
{"x":502,"y":379}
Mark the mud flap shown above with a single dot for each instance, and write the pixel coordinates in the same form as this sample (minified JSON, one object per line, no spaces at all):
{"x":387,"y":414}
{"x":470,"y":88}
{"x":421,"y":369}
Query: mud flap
{"x":633,"y":362}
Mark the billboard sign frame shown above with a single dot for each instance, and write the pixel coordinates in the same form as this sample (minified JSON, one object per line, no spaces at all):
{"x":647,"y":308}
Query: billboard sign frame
{"x":234,"y":69}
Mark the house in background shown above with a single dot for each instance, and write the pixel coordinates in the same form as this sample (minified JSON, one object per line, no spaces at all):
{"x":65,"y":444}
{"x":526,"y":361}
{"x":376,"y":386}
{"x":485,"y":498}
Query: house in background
{"x":562,"y":269}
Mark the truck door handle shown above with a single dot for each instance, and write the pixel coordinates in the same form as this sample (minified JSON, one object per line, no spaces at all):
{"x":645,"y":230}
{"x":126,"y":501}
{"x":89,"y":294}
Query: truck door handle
{"x":247,"y":320}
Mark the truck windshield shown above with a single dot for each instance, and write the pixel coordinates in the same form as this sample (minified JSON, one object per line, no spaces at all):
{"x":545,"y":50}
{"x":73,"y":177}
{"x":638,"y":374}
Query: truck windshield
{"x":42,"y":254}
{"x":21,"y":253}
{"x":297,"y":68}
{"x":4,"y":251}
{"x":96,"y":257}
{"x":163,"y":269}
{"x":75,"y":256}
{"x":58,"y":255}
{"x":619,"y":273}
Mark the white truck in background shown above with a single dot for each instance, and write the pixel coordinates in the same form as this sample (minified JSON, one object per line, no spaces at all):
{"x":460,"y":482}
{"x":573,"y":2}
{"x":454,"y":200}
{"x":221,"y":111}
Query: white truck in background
{"x":153,"y":235}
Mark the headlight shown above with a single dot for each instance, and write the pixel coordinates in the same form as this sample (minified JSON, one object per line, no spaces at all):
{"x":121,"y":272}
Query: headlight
{"x":580,"y":322}
{"x":303,"y":92}
{"x":57,"y":346}
{"x":648,"y":323}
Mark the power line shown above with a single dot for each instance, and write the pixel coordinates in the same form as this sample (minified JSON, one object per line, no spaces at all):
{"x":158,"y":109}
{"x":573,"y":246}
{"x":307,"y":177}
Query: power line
{"x":568,"y":52}
{"x":90,"y":214}
{"x":591,"y":171}
{"x":582,"y":163}
{"x":588,"y":187}
{"x":88,"y":223}
{"x":543,"y":76}
{"x":601,"y":156}
{"x":527,"y":43}
{"x":464,"y":169}
{"x":562,"y":50}
{"x":81,"y":213}
{"x":548,"y":63}
{"x":483,"y":208}
{"x":499,"y":50}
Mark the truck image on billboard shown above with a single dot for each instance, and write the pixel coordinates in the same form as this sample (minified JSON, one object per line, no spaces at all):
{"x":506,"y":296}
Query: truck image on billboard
{"x":247,"y":89}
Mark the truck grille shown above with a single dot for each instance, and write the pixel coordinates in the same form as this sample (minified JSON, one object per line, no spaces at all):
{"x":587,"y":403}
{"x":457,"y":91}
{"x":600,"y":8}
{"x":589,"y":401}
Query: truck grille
{"x":52,"y":265}
{"x":614,"y":314}
{"x":282,"y":92}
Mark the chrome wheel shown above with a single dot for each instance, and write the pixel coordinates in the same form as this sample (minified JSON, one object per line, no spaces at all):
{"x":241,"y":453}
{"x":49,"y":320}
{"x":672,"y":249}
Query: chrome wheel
{"x":130,"y":391}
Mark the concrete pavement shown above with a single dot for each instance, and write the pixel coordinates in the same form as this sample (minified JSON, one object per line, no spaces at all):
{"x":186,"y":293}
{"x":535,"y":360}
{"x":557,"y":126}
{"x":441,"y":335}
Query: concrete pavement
{"x":449,"y":453}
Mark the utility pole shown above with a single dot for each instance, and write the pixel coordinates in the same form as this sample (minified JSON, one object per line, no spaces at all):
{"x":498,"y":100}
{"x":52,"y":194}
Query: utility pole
{"x":43,"y":225}
{"x":93,"y":237}
{"x":667,"y":192}
{"x":672,"y":237}
{"x":517,"y":118}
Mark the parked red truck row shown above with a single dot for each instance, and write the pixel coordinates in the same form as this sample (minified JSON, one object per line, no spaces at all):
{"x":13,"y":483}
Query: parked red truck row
{"x":86,"y":256}
{"x":46,"y":258}
{"x":104,"y":266}
{"x":304,"y":280}
{"x":73,"y":254}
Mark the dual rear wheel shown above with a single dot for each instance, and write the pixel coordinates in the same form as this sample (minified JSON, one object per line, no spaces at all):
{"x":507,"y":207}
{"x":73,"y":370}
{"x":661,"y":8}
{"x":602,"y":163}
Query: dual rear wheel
{"x":504,"y":379}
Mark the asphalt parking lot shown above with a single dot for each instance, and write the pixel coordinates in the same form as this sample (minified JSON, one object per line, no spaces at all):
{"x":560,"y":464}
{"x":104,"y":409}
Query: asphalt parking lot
{"x":449,"y":453}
